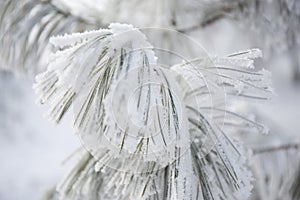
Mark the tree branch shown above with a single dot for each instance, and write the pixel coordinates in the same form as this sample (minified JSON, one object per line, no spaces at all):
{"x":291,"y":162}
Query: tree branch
{"x":271,"y":149}
{"x":212,"y":15}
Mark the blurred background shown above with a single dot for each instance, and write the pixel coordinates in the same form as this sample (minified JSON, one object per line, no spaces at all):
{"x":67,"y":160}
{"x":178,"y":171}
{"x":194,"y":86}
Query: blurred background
{"x":33,"y":150}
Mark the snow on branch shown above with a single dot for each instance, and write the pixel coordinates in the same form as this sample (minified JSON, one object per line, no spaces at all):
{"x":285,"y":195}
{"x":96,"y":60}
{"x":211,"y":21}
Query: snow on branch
{"x":151,"y":132}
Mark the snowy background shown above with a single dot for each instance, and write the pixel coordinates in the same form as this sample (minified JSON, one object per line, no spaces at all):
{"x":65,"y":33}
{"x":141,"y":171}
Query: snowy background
{"x":32,"y":150}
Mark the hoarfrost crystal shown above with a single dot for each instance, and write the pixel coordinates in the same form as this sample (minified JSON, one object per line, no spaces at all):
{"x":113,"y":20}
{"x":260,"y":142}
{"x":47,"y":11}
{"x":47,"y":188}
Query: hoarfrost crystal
{"x":151,"y":132}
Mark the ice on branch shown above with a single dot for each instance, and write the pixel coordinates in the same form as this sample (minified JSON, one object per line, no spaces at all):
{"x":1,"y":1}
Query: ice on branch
{"x":120,"y":95}
{"x":151,"y":132}
{"x":209,"y":86}
{"x":127,"y":109}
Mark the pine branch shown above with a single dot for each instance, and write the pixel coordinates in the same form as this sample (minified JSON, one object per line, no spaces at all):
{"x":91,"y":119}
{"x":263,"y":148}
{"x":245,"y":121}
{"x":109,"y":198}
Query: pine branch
{"x":112,"y":79}
{"x":25,"y":28}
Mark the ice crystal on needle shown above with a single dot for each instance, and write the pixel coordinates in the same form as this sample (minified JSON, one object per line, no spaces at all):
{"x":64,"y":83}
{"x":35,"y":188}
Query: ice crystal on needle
{"x":153,"y":132}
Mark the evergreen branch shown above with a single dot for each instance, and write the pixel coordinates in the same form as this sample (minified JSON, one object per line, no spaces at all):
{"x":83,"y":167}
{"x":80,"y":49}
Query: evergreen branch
{"x":25,"y":28}
{"x":98,"y":71}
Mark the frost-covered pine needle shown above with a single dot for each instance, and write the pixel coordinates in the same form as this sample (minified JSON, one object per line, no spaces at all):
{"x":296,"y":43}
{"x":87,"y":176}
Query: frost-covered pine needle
{"x":151,"y":132}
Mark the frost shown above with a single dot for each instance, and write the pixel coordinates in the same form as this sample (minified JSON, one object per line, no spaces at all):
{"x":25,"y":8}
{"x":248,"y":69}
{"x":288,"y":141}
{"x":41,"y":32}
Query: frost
{"x":150,"y":132}
{"x":249,"y":54}
{"x":209,"y":85}
{"x":121,"y":82}
{"x":71,"y":40}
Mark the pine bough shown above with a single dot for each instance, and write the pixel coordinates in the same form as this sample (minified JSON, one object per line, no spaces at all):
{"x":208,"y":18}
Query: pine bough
{"x":151,"y":132}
